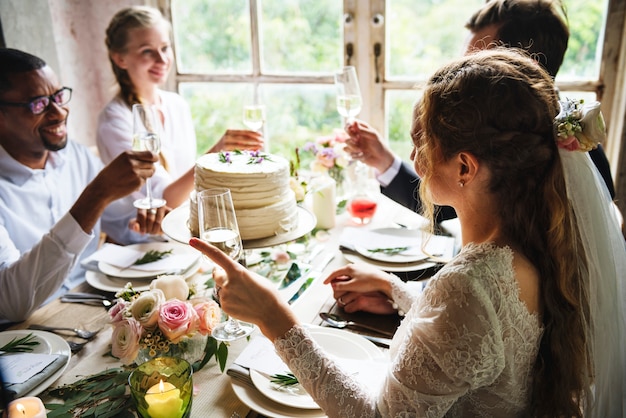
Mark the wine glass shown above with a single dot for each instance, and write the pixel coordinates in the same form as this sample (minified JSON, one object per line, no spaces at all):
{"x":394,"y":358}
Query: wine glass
{"x":253,"y":113}
{"x":146,"y":137}
{"x":218,"y":226}
{"x":349,"y":100}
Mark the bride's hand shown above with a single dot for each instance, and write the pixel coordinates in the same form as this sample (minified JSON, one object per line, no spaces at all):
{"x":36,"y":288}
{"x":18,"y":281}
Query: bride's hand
{"x":246,"y":295}
{"x":361,"y":288}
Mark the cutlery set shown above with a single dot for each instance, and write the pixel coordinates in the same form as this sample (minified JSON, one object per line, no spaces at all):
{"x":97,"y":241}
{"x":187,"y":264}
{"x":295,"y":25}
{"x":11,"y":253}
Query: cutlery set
{"x":75,"y":347}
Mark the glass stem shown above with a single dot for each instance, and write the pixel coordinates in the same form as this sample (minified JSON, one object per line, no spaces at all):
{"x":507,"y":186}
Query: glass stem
{"x":149,"y":191}
{"x":232,"y":326}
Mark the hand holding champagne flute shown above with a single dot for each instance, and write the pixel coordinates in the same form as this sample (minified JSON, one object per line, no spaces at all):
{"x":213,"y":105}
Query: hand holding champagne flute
{"x":218,"y":226}
{"x":147,"y":137}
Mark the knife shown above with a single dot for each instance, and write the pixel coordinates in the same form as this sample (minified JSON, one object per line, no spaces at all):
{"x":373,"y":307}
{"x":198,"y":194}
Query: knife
{"x":312,"y":276}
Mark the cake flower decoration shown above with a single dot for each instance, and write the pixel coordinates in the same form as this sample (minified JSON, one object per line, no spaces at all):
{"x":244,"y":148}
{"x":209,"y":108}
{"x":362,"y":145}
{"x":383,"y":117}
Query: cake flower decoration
{"x":579,"y":126}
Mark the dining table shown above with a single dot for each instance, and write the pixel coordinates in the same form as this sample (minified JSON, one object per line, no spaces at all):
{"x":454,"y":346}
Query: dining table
{"x":214,"y":395}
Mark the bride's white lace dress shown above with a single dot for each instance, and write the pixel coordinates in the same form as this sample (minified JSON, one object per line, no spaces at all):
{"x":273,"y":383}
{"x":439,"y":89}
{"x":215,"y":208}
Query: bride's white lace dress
{"x":466,"y":347}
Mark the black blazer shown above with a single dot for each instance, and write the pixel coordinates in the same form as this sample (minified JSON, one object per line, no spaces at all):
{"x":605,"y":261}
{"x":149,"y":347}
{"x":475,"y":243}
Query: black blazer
{"x":405,"y":185}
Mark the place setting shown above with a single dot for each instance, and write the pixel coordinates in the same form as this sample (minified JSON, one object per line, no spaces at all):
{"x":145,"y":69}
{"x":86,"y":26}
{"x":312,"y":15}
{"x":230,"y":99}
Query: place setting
{"x":396,"y":249}
{"x":111,"y":267}
{"x":32,"y":360}
{"x":264,"y":383}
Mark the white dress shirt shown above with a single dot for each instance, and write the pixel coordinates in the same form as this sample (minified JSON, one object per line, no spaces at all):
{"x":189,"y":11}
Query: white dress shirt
{"x":41,"y":244}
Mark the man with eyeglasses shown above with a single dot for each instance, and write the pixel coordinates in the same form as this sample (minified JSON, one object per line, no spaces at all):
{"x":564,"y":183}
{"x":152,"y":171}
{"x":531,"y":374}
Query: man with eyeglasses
{"x":54,"y":192}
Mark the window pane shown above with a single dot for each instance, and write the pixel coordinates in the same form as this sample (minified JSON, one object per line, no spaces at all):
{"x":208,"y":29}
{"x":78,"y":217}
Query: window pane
{"x":399,"y":111}
{"x":583,"y":55}
{"x":423,"y":35}
{"x":215,"y":107}
{"x":297,"y":114}
{"x":301,"y":35}
{"x":212,"y":36}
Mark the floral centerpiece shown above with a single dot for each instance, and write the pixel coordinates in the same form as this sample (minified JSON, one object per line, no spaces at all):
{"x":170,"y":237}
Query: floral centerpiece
{"x":168,"y":319}
{"x":325,"y":155}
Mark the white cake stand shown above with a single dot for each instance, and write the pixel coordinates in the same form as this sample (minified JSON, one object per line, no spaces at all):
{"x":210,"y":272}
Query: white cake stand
{"x":174,"y":225}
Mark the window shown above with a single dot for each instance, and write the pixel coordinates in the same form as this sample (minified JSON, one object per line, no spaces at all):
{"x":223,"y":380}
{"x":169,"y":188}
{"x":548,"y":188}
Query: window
{"x":286,"y":51}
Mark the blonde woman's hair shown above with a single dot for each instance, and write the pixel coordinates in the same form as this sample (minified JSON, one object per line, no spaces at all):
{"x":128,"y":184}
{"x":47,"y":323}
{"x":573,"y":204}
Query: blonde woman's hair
{"x":499,"y":105}
{"x":117,"y":37}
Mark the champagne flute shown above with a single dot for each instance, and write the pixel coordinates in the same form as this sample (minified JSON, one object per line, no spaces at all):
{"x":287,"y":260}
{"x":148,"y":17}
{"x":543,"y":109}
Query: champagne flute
{"x":146,"y":137}
{"x":349,"y":101}
{"x":254,"y":116}
{"x":218,"y":226}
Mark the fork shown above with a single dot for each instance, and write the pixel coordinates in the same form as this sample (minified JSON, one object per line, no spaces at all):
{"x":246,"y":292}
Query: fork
{"x":76,"y":347}
{"x":81,"y":333}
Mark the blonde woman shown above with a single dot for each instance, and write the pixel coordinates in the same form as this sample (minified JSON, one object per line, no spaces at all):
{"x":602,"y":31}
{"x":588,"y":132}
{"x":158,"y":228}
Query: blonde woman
{"x":138,"y":39}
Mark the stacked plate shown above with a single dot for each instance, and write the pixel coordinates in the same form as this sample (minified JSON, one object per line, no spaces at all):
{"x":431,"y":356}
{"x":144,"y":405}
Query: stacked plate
{"x":354,"y":353}
{"x":115,"y":266}
{"x":395,"y":249}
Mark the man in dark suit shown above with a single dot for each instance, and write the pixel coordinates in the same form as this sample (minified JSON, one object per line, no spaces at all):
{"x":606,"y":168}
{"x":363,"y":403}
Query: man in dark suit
{"x":539,"y":27}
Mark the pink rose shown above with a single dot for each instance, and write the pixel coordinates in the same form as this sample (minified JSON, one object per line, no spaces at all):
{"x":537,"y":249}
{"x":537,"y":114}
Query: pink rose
{"x":177,"y":319}
{"x":281,"y":257}
{"x":570,"y":143}
{"x":125,"y":340}
{"x":209,"y":315}
{"x":117,"y":311}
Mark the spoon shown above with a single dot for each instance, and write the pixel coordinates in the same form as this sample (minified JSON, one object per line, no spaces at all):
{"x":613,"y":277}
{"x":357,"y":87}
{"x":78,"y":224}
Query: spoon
{"x":336,"y":321}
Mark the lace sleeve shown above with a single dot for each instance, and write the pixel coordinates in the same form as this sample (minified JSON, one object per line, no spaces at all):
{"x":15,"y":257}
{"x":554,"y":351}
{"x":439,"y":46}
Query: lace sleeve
{"x":447,"y":345}
{"x":404,"y":294}
{"x":336,"y":392}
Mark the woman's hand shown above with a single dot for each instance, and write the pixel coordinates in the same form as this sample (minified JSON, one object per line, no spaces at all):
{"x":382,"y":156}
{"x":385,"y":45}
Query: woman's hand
{"x":246,"y":295}
{"x":361,"y":288}
{"x":240,"y":140}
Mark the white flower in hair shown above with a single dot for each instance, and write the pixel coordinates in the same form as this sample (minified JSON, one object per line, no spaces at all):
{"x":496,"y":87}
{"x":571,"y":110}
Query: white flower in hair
{"x":579,"y":126}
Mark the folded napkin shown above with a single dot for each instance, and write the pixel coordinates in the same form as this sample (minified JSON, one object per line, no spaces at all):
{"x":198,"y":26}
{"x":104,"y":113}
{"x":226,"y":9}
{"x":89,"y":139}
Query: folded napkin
{"x":124,"y":257}
{"x":22,"y":388}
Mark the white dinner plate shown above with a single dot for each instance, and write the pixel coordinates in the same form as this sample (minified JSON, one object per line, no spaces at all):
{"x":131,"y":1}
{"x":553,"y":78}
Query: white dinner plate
{"x":391,"y":267}
{"x":277,"y":404}
{"x":390,"y":258}
{"x":174,"y":225}
{"x":49,"y":343}
{"x":130,"y":273}
{"x":114,"y":284}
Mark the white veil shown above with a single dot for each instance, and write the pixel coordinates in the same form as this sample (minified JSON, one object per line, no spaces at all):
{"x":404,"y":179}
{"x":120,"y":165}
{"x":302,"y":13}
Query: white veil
{"x":605,"y":249}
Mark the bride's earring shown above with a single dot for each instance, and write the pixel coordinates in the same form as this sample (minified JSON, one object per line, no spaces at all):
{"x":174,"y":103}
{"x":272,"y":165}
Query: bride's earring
{"x":461,"y":183}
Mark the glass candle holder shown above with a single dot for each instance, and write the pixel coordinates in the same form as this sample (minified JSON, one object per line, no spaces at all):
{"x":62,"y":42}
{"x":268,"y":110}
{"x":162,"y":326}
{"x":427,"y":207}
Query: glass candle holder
{"x":162,"y":388}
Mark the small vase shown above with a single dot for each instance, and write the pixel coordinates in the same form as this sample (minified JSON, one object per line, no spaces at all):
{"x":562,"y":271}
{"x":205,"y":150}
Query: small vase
{"x":153,"y":345}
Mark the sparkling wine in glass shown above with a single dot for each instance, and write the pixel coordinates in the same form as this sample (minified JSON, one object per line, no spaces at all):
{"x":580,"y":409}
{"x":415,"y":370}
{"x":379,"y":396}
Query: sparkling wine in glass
{"x":349,"y":100}
{"x":146,"y":137}
{"x":218,"y":226}
{"x":254,"y":116}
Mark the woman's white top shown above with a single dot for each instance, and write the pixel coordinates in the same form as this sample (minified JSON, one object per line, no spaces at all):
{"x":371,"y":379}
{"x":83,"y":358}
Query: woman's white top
{"x":178,"y":142}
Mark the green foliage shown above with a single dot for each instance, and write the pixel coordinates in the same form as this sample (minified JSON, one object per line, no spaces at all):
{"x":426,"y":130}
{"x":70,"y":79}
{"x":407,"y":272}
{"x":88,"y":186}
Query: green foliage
{"x":25,"y":344}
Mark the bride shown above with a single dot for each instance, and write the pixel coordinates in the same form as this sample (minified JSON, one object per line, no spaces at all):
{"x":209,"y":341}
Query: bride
{"x":528,"y":319}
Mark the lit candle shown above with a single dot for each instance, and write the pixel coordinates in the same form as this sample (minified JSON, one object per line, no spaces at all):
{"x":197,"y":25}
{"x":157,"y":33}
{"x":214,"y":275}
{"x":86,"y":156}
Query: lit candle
{"x":30,"y":407}
{"x":324,"y":206}
{"x":164,"y":401}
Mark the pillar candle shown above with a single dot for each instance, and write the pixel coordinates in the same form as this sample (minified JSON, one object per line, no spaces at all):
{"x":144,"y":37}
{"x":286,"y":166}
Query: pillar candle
{"x":324,"y":206}
{"x":164,"y":401}
{"x":30,"y":407}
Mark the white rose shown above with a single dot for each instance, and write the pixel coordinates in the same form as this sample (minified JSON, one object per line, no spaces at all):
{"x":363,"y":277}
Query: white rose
{"x":145,"y":309}
{"x":592,"y":122}
{"x":173,"y":286}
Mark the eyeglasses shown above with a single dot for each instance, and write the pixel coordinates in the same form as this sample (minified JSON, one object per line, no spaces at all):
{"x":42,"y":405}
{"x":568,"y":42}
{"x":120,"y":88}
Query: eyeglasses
{"x":39,"y":104}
